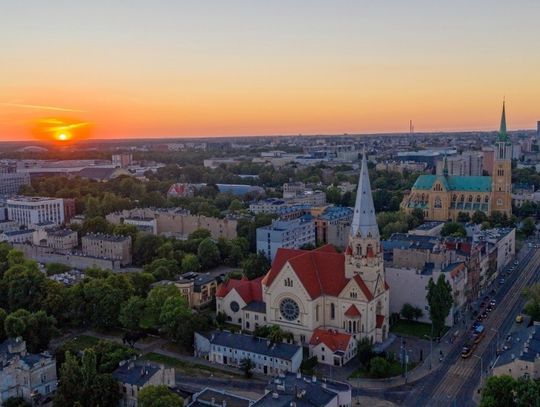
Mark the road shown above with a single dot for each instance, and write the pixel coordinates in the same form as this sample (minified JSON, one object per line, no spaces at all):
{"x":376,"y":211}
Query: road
{"x":455,"y":381}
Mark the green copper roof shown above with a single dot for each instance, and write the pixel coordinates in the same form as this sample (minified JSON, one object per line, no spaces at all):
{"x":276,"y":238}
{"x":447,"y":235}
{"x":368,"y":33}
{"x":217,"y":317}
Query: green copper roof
{"x":503,"y":136}
{"x":454,"y":183}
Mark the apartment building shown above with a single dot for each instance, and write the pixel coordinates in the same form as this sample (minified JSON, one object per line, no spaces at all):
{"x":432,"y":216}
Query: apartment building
{"x":62,"y":239}
{"x":11,"y":182}
{"x":108,"y":247}
{"x":292,"y":234}
{"x":198,"y":288}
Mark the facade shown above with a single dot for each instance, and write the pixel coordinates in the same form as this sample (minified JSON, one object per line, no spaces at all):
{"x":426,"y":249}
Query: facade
{"x":226,"y":348}
{"x":467,"y":164}
{"x":297,"y":390}
{"x":177,"y":222}
{"x":108,"y":247}
{"x":209,"y":397}
{"x":198,"y":288}
{"x":291,"y":234}
{"x":401,"y":166}
{"x":333,"y":225}
{"x":17,"y":236}
{"x":307,"y":290}
{"x":27,"y":375}
{"x":443,"y":197}
{"x":122,"y":160}
{"x":62,"y":239}
{"x":332,"y":347}
{"x":69,"y":209}
{"x":32,"y":210}
{"x":133,"y":376}
{"x":11,"y":182}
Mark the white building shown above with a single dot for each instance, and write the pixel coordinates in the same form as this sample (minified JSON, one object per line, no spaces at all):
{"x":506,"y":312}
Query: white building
{"x":26,"y":375}
{"x":33,"y":210}
{"x":332,"y":347}
{"x":17,"y":236}
{"x":292,"y":234}
{"x":227,"y":348}
{"x":10,"y":183}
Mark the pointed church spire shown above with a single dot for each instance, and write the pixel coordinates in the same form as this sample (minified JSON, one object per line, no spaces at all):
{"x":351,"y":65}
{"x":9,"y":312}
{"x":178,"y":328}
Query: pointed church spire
{"x":503,"y":136}
{"x":364,"y":222}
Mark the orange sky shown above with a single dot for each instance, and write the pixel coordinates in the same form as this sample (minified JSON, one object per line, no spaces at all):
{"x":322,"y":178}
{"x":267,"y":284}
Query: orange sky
{"x":246,"y":68}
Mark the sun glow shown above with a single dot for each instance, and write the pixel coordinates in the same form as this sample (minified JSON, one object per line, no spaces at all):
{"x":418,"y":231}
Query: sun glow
{"x":61,"y":130}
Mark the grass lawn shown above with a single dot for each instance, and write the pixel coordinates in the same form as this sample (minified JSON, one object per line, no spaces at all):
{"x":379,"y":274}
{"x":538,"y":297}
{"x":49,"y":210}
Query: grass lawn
{"x":187,"y":367}
{"x":413,"y":328}
{"x":395,"y":370}
{"x":82,"y":342}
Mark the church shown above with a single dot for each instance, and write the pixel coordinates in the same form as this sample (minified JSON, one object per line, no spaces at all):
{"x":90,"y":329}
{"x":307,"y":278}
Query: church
{"x":320,"y":293}
{"x":443,"y":197}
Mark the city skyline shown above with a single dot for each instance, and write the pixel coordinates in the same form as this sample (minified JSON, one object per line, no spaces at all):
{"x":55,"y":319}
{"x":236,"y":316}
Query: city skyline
{"x":190,"y":69}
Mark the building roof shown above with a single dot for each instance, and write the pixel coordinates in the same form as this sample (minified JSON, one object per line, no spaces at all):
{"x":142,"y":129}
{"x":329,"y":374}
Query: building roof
{"x":135,"y":373}
{"x":102,"y":174}
{"x":302,"y":391}
{"x":503,"y":135}
{"x":216,"y":397}
{"x":455,"y":183}
{"x":249,"y":290}
{"x":364,"y":222}
{"x":321,"y":271}
{"x":334,"y":340}
{"x":352,"y":312}
{"x":19,"y":232}
{"x":256,"y":306}
{"x":253,"y":344}
{"x":108,"y":238}
{"x":379,"y":321}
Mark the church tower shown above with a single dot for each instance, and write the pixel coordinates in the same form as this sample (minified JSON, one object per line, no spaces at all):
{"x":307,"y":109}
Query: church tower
{"x":364,"y":254}
{"x":501,"y":188}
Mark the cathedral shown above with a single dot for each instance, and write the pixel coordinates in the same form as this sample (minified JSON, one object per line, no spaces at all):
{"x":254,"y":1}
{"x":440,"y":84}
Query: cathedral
{"x":307,"y":292}
{"x":443,"y":197}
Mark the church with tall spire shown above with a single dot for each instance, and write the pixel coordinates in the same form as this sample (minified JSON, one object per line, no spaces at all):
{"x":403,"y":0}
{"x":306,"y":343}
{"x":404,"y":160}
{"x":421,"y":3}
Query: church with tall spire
{"x":322,"y":293}
{"x":444,"y":197}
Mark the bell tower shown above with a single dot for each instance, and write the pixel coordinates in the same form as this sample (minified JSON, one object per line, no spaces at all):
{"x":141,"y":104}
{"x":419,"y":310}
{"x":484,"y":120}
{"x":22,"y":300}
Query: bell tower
{"x":364,"y":254}
{"x":501,"y":188}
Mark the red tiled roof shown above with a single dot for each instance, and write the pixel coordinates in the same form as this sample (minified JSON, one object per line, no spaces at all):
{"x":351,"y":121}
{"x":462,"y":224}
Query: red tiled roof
{"x":248,"y":290}
{"x":386,"y":286}
{"x":352,"y":312}
{"x":363,"y":287}
{"x":380,"y":320}
{"x":333,"y":339}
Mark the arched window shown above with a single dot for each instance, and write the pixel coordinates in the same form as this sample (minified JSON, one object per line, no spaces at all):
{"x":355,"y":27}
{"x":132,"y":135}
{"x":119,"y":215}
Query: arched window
{"x":358,"y":250}
{"x":454,"y":197}
{"x":486,"y":199}
{"x":499,"y":202}
{"x":470,"y":198}
{"x":462,"y":198}
{"x":438,"y":202}
{"x":288,"y":282}
{"x":353,"y":294}
{"x":478,"y":198}
{"x":332,"y":311}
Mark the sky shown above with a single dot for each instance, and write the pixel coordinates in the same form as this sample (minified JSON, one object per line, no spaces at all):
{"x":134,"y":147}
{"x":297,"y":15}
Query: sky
{"x":183,"y":68}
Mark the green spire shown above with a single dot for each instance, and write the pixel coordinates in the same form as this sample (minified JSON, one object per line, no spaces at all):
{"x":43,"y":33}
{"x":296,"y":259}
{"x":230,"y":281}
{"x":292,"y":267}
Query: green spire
{"x":503,"y":136}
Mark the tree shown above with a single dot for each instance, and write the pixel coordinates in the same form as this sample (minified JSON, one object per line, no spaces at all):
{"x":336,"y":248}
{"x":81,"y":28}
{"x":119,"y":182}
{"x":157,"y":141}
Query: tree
{"x":236,"y":205}
{"x":407,"y":311}
{"x":364,"y":352}
{"x":190,"y":263}
{"x":255,"y":265}
{"x":156,"y":299}
{"x":14,"y":326}
{"x":379,"y":367}
{"x":175,"y":312}
{"x":162,"y":269}
{"x":159,"y":396}
{"x":131,"y":313}
{"x":81,"y":384}
{"x":16,"y":402}
{"x":199,"y":234}
{"x":532,"y":307}
{"x":208,"y":254}
{"x":463,"y":217}
{"x":453,"y":229}
{"x":439,"y":298}
{"x":499,"y":392}
{"x":3,"y":316}
{"x":528,"y":227}
{"x":246,"y":365}
{"x":479,"y":217}
{"x":141,"y":283}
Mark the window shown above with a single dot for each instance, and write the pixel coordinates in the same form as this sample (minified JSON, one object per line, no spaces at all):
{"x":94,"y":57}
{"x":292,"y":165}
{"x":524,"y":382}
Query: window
{"x":332,"y":311}
{"x":288,"y":282}
{"x":499,"y":202}
{"x":353,"y":294}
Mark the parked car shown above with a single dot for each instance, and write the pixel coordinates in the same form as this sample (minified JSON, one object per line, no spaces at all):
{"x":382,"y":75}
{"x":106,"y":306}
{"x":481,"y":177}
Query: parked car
{"x":519,"y":318}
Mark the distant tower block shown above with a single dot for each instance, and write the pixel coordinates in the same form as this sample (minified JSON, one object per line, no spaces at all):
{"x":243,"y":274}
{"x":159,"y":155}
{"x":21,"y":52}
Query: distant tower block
{"x":411,"y":127}
{"x":538,"y":129}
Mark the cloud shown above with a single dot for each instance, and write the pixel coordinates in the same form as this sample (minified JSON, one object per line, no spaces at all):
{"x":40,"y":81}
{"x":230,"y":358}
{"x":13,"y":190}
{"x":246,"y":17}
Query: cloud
{"x":41,"y":107}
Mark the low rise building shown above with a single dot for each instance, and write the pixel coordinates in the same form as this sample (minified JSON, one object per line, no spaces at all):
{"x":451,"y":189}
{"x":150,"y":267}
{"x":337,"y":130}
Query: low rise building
{"x":108,"y":247}
{"x":231,"y":349}
{"x":11,"y":182}
{"x":522,"y":359}
{"x":198,"y":288}
{"x":292,"y":234}
{"x":133,"y":376}
{"x":297,"y":390}
{"x":218,"y":398}
{"x":332,"y":347}
{"x":432,"y":228}
{"x":62,"y":239}
{"x":27,"y":375}
{"x":333,"y":226}
{"x":17,"y":236}
{"x":181,"y":190}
